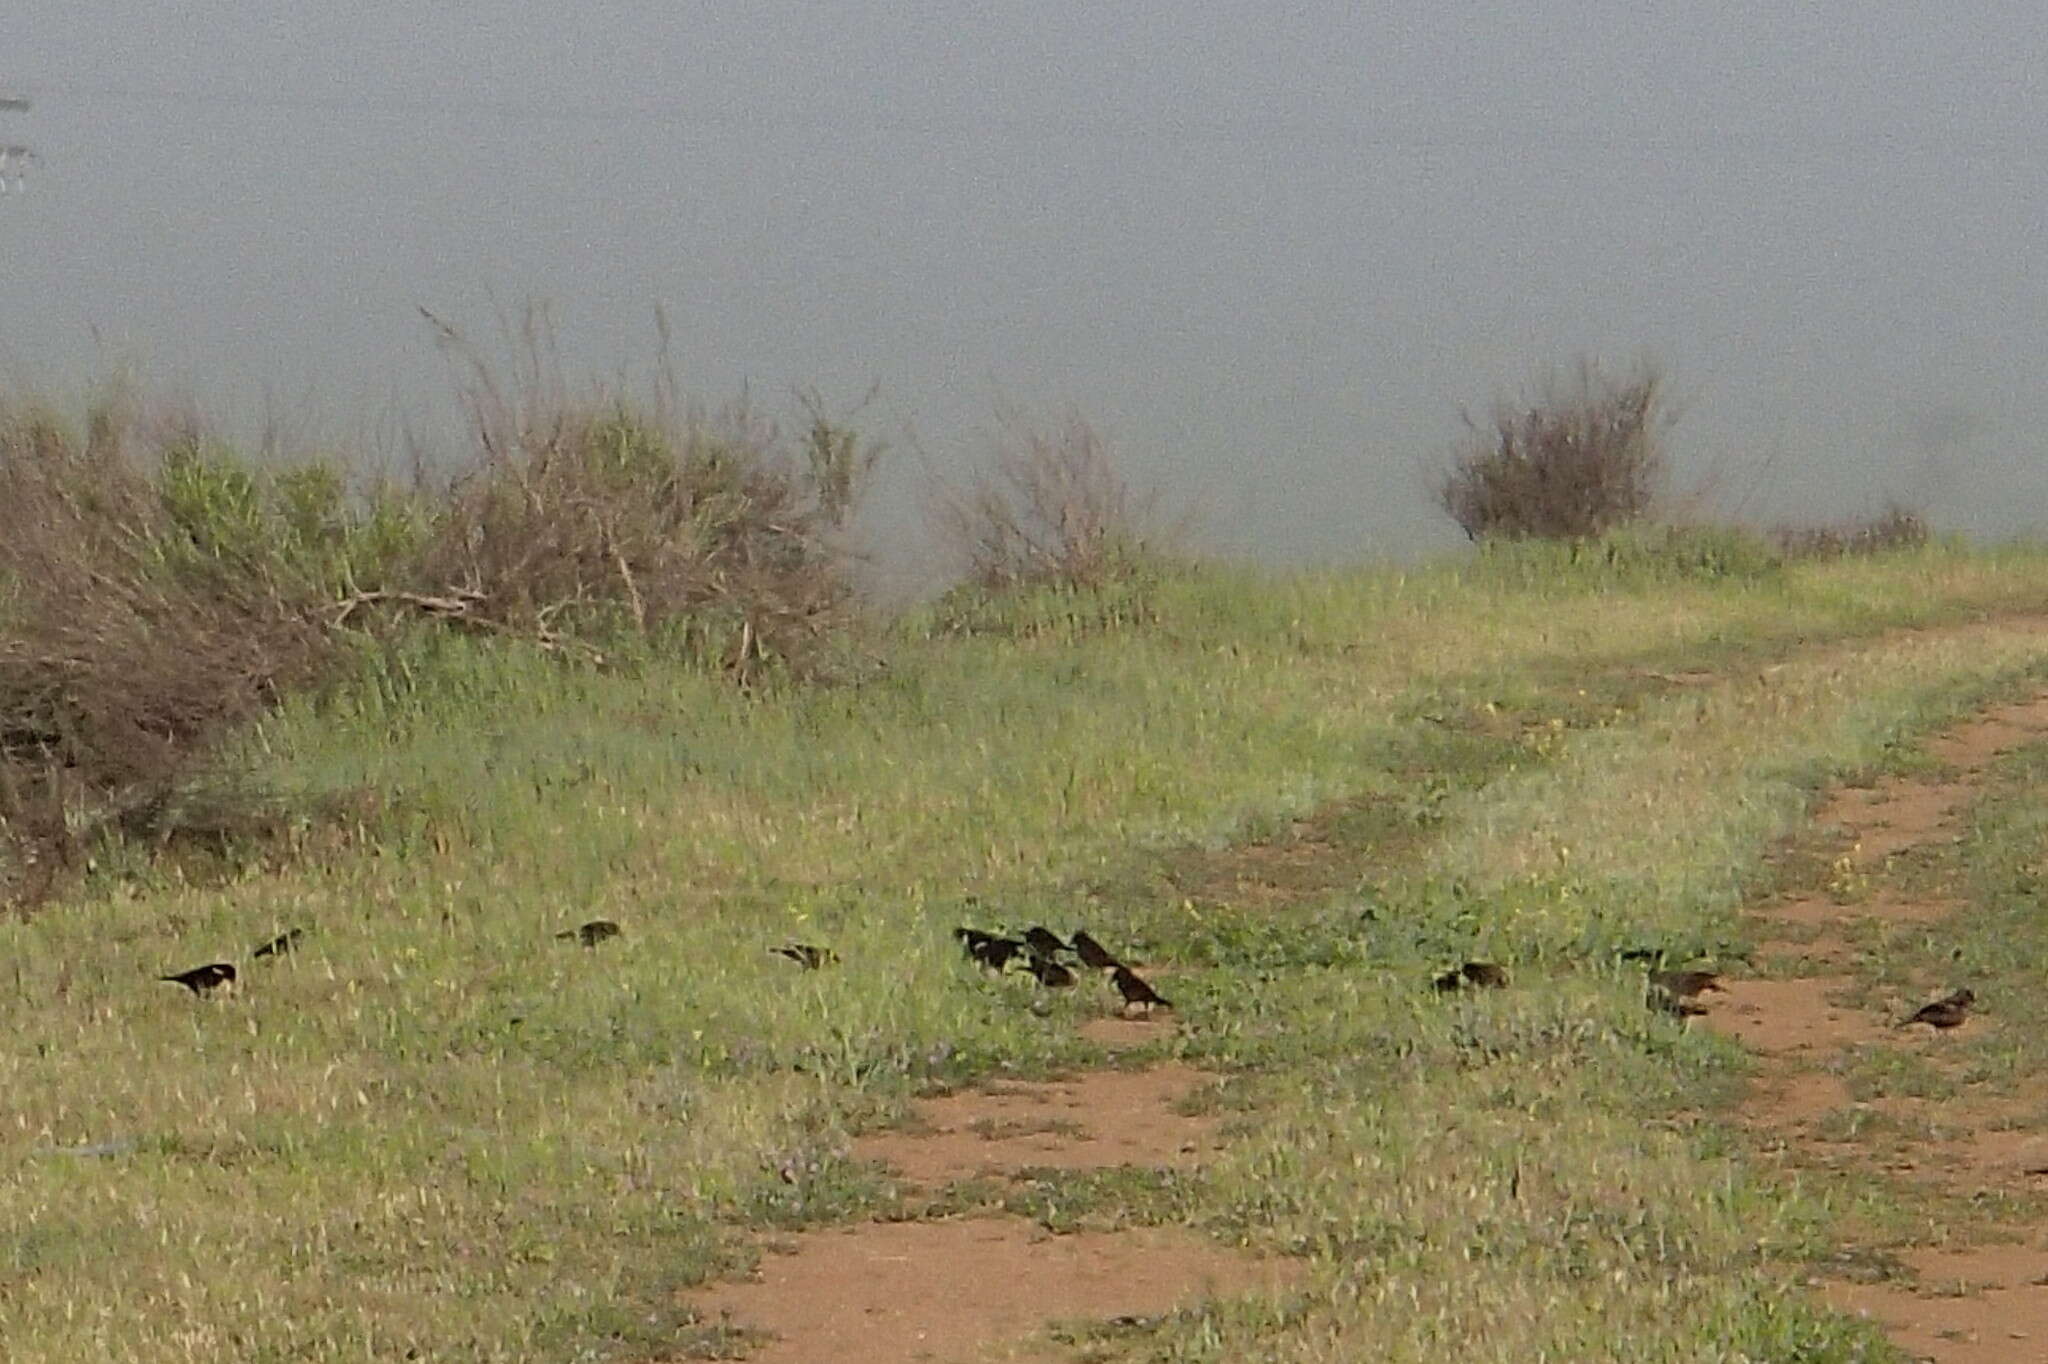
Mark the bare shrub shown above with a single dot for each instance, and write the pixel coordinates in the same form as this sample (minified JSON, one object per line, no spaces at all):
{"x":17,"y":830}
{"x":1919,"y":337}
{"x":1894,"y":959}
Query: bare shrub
{"x":1893,"y":527}
{"x":134,"y":629}
{"x":583,"y":516}
{"x":1049,"y":510}
{"x":1581,"y":459}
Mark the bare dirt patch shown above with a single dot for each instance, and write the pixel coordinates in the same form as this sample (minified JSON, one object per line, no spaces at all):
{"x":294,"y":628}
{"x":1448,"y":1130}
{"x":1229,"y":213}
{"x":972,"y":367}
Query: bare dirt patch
{"x":1097,"y":1120}
{"x":953,"y":1290}
{"x":1965,"y":1304}
{"x":890,"y":1293}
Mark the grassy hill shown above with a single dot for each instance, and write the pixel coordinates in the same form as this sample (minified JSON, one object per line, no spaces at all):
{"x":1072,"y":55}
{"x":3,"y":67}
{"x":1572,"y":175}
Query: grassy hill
{"x":435,"y":1131}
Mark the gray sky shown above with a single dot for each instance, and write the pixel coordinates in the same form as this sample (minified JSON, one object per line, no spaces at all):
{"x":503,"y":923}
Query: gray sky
{"x":1272,"y":248}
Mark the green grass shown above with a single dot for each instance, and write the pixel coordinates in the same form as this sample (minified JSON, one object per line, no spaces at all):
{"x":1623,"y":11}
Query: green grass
{"x":438,"y":1129}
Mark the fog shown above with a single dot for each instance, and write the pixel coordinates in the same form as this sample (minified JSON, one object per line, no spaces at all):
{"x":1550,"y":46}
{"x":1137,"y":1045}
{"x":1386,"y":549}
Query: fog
{"x":1272,"y":249}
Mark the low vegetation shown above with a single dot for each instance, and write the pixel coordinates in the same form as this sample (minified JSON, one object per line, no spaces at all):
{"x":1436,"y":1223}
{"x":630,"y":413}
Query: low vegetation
{"x":438,"y":727}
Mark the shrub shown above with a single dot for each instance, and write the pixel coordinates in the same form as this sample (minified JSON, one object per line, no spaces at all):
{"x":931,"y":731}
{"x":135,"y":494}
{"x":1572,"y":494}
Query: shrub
{"x":1894,"y":527}
{"x":1050,"y":510}
{"x":1579,"y":461}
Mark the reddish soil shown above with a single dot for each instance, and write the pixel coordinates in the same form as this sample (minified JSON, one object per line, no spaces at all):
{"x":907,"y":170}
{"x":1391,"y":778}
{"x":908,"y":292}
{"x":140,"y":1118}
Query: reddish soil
{"x":1965,"y":1304}
{"x":957,"y":1289}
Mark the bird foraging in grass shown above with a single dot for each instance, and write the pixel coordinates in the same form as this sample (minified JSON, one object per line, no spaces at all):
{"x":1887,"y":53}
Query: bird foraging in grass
{"x":281,"y":944}
{"x":592,"y":933}
{"x":1666,"y":1002}
{"x":1137,"y":994}
{"x":1044,"y":942}
{"x":1093,"y":954}
{"x":1485,"y":975}
{"x":807,"y":956}
{"x":1048,"y":972}
{"x":989,"y":949}
{"x":204,"y":980}
{"x":1687,"y":984}
{"x":1945,"y":1013}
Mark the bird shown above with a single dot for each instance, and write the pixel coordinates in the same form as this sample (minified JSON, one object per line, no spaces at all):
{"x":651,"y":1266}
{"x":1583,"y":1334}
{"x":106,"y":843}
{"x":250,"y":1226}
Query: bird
{"x":1484,"y":974}
{"x":1044,"y":942}
{"x":807,"y":956}
{"x":1136,"y":993}
{"x":1093,"y":954}
{"x":204,"y":980}
{"x":1448,"y":982}
{"x":592,"y":933}
{"x":1048,"y":972}
{"x":279,"y":945}
{"x":989,"y":949}
{"x":1944,"y":1013}
{"x":1666,"y":1002}
{"x":1687,"y":984}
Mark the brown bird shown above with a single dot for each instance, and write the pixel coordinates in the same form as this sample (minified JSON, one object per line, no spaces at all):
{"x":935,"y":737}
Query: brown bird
{"x":1049,"y":973}
{"x":592,"y":933}
{"x":1044,"y":942}
{"x":1687,"y":984}
{"x":1137,"y":994}
{"x":204,"y":980}
{"x":807,"y":956}
{"x":1944,"y":1013}
{"x":1666,"y":1002}
{"x":1093,"y":954}
{"x":281,"y":944}
{"x":1449,"y":982}
{"x":1484,"y":974}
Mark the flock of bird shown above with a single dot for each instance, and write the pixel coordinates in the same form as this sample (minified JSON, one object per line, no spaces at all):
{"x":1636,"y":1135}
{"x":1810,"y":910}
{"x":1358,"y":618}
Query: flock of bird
{"x":1678,"y":992}
{"x":1037,"y":952}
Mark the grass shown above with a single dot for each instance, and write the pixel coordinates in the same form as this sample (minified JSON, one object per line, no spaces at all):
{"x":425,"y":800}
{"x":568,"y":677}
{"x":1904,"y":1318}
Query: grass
{"x":437,"y":1129}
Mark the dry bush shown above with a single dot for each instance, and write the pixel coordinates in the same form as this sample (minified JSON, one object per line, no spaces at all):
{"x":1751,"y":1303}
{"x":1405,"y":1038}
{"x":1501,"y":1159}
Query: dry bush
{"x":1049,"y":510}
{"x":1580,"y":460}
{"x":130,"y":640}
{"x":1893,"y":527}
{"x":578,"y":517}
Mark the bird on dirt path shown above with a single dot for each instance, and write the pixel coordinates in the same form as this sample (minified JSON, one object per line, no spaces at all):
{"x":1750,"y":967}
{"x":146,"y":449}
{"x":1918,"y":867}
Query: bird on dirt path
{"x":204,"y":980}
{"x":1678,"y":1006}
{"x":1093,"y":954}
{"x":1137,"y":994}
{"x":1944,"y":1013}
{"x":279,"y":945}
{"x":1044,"y":942}
{"x":1687,"y":984}
{"x":806,"y":955}
{"x":592,"y":933}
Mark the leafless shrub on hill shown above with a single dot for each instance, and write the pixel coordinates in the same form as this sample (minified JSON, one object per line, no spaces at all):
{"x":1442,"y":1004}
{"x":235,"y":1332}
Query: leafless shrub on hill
{"x":1580,"y":459}
{"x":1049,"y":509}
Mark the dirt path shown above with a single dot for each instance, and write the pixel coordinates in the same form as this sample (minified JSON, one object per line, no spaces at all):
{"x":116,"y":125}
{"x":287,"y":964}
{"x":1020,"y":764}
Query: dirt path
{"x":980,"y":1286}
{"x":1811,"y":1021}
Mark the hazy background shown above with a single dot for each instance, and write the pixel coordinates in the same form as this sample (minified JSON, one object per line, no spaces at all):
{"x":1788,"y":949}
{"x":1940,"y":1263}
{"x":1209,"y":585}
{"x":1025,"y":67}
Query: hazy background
{"x":1270,"y":247}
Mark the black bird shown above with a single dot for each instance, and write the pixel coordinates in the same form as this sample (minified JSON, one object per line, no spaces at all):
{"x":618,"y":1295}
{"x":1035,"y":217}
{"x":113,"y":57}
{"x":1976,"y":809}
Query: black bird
{"x":1044,"y":942}
{"x":989,"y":949}
{"x":281,"y":944}
{"x":592,"y":933}
{"x":204,"y":980}
{"x":1136,"y":993}
{"x":1484,"y":974}
{"x":1093,"y":954}
{"x":1050,"y":973}
{"x":807,"y":956}
{"x":1944,"y":1013}
{"x":1642,"y":954}
{"x":1687,"y":984}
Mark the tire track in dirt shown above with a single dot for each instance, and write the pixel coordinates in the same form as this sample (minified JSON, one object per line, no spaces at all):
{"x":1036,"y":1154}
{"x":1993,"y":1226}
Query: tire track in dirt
{"x":1808,"y":1027}
{"x":952,"y":1289}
